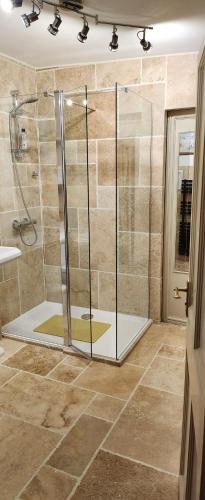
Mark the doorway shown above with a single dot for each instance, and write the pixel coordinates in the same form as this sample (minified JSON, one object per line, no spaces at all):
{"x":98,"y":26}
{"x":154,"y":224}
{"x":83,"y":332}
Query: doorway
{"x":178,"y":207}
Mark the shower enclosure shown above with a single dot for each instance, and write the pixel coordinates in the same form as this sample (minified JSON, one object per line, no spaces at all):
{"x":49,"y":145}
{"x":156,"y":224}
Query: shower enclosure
{"x":89,"y":166}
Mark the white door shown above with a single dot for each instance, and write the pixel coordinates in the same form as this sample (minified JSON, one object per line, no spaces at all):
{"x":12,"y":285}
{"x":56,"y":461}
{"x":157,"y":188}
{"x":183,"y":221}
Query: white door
{"x":179,"y":181}
{"x":192,"y":470}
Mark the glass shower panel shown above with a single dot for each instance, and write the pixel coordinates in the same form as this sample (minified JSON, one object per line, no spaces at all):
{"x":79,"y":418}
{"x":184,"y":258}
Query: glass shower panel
{"x":133,"y":216}
{"x":77,"y":182}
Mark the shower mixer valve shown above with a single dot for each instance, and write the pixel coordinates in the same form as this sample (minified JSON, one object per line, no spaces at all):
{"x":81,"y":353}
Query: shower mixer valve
{"x":19,"y":224}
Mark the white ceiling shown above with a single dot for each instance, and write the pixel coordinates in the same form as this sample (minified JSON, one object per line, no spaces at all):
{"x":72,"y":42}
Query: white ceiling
{"x":178,"y":27}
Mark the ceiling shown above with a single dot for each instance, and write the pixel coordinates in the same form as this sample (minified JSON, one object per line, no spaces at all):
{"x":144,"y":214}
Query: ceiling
{"x":178,"y":27}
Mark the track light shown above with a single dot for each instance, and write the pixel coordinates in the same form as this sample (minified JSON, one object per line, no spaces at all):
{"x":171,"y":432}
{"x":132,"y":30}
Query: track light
{"x":54,"y":27}
{"x":114,"y":42}
{"x":30,"y":18}
{"x":145,"y":44}
{"x":76,"y":6}
{"x":82,"y":35}
{"x":8,"y":5}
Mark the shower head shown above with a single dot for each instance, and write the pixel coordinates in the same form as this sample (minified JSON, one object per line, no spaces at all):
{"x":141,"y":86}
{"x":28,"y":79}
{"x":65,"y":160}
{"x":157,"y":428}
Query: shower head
{"x":30,"y":100}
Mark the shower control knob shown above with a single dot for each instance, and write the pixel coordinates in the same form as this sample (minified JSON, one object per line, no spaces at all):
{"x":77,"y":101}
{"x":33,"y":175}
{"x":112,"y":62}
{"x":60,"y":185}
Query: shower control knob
{"x":18,"y":224}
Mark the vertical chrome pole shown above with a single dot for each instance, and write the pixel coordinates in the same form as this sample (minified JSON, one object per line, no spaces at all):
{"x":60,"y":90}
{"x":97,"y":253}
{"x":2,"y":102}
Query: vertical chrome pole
{"x":63,"y":212}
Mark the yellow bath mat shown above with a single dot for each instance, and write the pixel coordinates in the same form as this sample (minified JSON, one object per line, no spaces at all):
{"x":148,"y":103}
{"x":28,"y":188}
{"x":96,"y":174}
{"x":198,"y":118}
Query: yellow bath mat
{"x":80,"y":328}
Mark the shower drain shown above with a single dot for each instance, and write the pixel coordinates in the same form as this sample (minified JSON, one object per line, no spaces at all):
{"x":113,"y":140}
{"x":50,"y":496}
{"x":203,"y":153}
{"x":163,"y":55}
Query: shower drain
{"x":87,"y":316}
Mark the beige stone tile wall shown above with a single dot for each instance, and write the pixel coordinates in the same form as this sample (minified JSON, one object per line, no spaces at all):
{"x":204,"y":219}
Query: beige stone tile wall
{"x":168,"y":82}
{"x":22,"y":281}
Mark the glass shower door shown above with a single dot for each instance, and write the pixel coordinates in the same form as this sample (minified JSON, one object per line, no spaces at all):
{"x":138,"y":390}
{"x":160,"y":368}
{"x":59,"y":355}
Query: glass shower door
{"x":133,"y":178}
{"x":73,"y":183}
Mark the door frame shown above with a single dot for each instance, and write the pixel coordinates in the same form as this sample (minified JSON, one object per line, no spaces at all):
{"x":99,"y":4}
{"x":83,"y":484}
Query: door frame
{"x":169,"y":174}
{"x":192,"y":468}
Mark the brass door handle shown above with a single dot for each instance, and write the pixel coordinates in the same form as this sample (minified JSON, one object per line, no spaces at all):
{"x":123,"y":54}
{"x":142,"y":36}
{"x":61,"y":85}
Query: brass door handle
{"x":186,"y":290}
{"x":177,"y":290}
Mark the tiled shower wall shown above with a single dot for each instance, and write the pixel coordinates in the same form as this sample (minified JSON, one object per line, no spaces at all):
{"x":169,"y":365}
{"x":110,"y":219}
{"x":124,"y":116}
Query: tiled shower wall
{"x":21,"y":281}
{"x":169,"y":82}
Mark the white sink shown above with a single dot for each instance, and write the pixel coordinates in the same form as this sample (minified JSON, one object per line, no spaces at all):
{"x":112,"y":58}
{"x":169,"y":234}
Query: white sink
{"x":9,"y":253}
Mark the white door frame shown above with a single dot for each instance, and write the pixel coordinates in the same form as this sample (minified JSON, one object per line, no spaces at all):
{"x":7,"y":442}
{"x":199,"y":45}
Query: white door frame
{"x":170,"y":229}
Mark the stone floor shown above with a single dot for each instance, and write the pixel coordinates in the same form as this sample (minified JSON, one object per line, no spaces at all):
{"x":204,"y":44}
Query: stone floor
{"x":70,"y":428}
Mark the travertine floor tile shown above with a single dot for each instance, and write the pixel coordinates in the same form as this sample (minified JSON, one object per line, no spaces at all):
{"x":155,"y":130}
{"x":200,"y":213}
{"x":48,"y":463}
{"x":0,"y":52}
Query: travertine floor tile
{"x":144,"y":352}
{"x":149,"y":429}
{"x":23,"y":447}
{"x":49,"y":484}
{"x":111,"y":380}
{"x":165,"y":328}
{"x":177,"y":339}
{"x":169,"y":351}
{"x":10,"y":346}
{"x":155,"y":333}
{"x":65,"y":373}
{"x":113,"y":477}
{"x":35,"y":359}
{"x":174,"y":333}
{"x":42,"y":401}
{"x":105,"y":407}
{"x":166,"y":374}
{"x":6,"y":374}
{"x":76,"y":361}
{"x":78,"y":447}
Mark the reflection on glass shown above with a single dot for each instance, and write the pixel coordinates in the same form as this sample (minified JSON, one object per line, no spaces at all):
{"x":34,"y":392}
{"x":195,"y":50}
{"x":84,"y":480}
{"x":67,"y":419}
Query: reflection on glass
{"x":184,"y":199}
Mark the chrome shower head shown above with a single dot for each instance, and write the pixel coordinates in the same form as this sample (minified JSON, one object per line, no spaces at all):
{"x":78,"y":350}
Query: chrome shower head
{"x":30,"y":100}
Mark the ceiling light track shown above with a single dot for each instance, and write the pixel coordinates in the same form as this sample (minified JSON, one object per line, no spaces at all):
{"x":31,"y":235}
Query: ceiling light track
{"x":76,"y":6}
{"x":68,"y":6}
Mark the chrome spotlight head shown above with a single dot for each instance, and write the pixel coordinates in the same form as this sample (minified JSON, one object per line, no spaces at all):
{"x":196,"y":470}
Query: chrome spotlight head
{"x":54,"y":27}
{"x":83,"y":35}
{"x":143,"y":42}
{"x":114,"y":42}
{"x":30,"y":18}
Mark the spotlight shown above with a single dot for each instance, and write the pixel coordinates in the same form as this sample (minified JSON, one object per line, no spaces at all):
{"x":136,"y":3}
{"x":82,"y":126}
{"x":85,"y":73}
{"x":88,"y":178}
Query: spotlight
{"x":53,"y":28}
{"x":145,"y":44}
{"x":8,"y":5}
{"x":69,"y":102}
{"x":30,"y":18}
{"x":84,"y":102}
{"x":82,"y":35}
{"x":114,"y":42}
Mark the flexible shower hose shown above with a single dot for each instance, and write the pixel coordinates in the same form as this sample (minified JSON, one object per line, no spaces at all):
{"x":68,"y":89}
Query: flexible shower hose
{"x":15,"y":167}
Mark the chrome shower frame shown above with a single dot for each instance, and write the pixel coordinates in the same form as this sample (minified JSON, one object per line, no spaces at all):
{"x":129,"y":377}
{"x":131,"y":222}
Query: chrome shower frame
{"x":62,"y":193}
